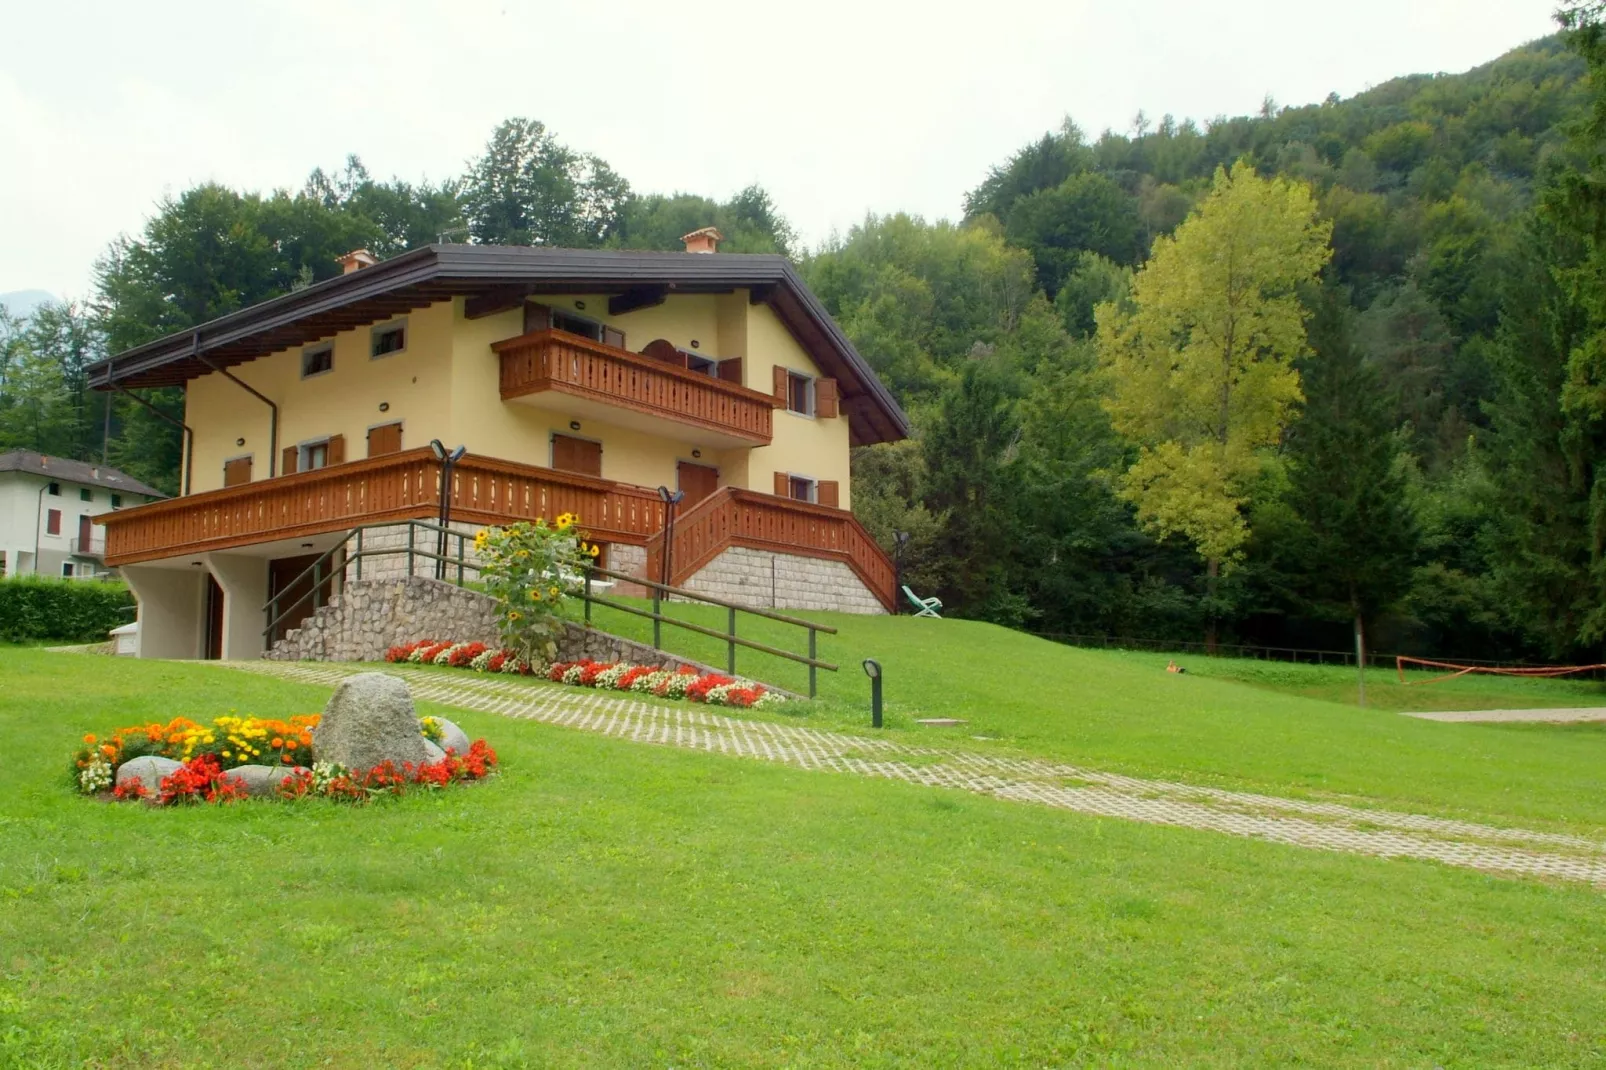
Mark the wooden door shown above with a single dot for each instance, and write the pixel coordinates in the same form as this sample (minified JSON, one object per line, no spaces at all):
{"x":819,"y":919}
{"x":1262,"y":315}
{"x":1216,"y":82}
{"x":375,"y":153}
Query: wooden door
{"x":577,"y":455}
{"x":86,"y":534}
{"x":283,"y":578}
{"x":697,"y":481}
{"x":384,"y":439}
{"x":214,"y":619}
{"x":237,"y":471}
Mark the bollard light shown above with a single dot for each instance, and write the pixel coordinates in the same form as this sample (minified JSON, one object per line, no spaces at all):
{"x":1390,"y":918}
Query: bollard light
{"x":872,"y":669}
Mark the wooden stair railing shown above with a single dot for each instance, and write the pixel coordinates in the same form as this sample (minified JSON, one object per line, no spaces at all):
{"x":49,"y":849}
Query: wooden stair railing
{"x":735,"y":517}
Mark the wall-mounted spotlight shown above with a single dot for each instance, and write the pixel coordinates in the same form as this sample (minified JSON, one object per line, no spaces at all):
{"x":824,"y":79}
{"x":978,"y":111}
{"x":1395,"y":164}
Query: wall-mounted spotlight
{"x":581,"y":305}
{"x":574,"y":425}
{"x":384,"y":406}
{"x":695,"y":344}
{"x":239,"y":442}
{"x":696,"y":453}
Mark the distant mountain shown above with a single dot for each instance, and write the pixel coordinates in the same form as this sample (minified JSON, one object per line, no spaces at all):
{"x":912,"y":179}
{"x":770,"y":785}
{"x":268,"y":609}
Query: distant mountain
{"x":21,"y":303}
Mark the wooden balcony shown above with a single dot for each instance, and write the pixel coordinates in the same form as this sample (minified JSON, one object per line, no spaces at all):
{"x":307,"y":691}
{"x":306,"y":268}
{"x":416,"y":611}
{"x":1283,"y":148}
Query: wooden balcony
{"x":612,"y":385}
{"x":397,"y":486}
{"x":735,"y":517}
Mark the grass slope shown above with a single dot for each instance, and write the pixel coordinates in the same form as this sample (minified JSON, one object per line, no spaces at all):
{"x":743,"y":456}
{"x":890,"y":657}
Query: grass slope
{"x":611,"y":904}
{"x":1119,"y":710}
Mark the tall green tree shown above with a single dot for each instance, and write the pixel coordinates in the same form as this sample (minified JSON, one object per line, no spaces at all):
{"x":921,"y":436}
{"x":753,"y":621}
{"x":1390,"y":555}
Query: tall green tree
{"x":1357,"y":534}
{"x":528,"y":188}
{"x":1201,"y":364}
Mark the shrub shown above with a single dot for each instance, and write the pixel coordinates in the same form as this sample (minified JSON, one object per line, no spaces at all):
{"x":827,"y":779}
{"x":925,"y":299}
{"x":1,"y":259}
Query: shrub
{"x":42,"y":607}
{"x":530,"y":569}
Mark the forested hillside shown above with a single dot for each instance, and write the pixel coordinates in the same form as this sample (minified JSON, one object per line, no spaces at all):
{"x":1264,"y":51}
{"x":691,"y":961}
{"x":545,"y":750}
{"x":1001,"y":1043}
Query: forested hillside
{"x":1430,"y":469}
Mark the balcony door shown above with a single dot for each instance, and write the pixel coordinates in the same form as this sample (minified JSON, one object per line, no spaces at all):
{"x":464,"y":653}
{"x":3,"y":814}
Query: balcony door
{"x":86,"y":534}
{"x":697,"y":481}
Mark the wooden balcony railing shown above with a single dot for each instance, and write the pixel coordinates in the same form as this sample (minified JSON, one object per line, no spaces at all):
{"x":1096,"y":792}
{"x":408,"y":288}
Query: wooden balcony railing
{"x":735,"y":517}
{"x":569,"y":364}
{"x":397,"y":486}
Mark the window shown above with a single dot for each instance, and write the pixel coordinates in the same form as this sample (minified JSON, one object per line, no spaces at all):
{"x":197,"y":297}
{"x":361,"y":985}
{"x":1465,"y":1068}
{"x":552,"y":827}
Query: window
{"x":389,"y":338}
{"x":799,"y":394}
{"x":567,"y":321}
{"x":800,"y":489}
{"x":66,"y":569}
{"x":54,"y":490}
{"x":117,"y":501}
{"x":53,"y":522}
{"x":315,"y":360}
{"x":314,"y":455}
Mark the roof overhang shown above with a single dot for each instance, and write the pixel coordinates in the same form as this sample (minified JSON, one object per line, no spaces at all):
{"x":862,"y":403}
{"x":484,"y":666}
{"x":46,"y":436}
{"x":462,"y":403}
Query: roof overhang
{"x":434,"y":273}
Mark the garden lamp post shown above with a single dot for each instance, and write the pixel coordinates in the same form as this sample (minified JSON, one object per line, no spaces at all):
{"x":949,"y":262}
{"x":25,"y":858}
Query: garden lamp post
{"x":670,"y":500}
{"x":900,"y":539}
{"x":872,"y":669}
{"x":448,"y":461}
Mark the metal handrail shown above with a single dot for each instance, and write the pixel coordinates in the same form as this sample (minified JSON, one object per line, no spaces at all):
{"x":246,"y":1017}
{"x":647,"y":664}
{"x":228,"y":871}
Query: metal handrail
{"x":321,"y":569}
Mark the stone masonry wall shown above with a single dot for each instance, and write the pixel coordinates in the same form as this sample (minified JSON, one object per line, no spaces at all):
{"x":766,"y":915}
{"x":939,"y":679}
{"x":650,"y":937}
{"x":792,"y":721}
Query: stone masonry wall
{"x":767,"y":580}
{"x":370,"y":616}
{"x":393,"y":566}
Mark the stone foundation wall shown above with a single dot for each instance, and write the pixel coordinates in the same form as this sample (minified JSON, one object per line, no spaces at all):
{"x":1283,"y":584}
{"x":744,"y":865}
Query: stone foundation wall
{"x":394,"y":566}
{"x":370,"y":616}
{"x":767,"y":580}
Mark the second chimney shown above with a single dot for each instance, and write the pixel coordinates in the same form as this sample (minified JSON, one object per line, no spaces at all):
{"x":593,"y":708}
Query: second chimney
{"x":705,"y":240}
{"x":356,"y":260}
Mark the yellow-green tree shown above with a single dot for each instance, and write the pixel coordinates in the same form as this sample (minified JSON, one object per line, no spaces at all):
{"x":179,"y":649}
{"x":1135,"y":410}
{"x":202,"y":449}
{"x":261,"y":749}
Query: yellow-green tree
{"x":1200,"y":356}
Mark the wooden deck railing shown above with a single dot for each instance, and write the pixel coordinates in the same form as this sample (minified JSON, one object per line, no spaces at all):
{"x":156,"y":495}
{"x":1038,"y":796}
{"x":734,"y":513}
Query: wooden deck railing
{"x":734,"y":517}
{"x":556,"y":360}
{"x":397,"y":486}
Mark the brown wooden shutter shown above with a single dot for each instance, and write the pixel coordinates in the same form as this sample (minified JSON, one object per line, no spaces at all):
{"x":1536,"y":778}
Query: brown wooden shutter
{"x":577,"y":455}
{"x":782,"y":383}
{"x":825,"y":399}
{"x":731,"y":370}
{"x":288,"y":466}
{"x":237,"y":472}
{"x":826,"y":491}
{"x":337,"y":449}
{"x":53,"y":522}
{"x":613,"y":336}
{"x":536,"y":317}
{"x":386,"y":438}
{"x":783,"y":485}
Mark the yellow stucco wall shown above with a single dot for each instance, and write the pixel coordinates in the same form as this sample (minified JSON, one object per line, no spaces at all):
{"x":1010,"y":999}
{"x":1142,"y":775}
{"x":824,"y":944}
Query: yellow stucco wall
{"x":445,"y":385}
{"x":416,"y":383}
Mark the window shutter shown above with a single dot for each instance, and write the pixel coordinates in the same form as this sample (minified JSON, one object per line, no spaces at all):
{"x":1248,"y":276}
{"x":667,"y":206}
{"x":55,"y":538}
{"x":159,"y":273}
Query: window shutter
{"x":237,"y":472}
{"x":782,"y":385}
{"x":825,"y":399}
{"x":288,"y":467}
{"x":613,"y":336}
{"x":337,"y":449}
{"x":731,"y":370}
{"x":386,"y":438}
{"x":826,"y":491}
{"x":783,"y":485}
{"x":536,"y":317}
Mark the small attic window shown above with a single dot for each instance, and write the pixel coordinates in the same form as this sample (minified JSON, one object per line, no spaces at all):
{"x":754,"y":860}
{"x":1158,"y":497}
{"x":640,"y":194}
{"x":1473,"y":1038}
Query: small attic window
{"x":389,"y":338}
{"x":316,"y":360}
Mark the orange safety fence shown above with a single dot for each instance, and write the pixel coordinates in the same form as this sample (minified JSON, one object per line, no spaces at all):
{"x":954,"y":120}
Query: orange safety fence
{"x":1541,"y":671}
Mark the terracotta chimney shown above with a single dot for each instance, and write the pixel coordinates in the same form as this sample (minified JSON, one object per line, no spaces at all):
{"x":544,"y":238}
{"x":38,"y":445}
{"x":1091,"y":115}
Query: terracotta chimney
{"x":705,"y":240}
{"x":356,"y":260}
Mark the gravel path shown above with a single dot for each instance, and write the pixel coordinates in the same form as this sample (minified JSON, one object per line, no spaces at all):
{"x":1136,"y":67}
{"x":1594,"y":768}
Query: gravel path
{"x":1302,"y":823}
{"x":1555,"y":716}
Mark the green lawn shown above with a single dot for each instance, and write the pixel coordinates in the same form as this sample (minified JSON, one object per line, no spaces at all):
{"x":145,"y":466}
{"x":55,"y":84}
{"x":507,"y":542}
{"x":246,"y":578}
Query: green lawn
{"x":610,"y":904}
{"x":1118,"y":710}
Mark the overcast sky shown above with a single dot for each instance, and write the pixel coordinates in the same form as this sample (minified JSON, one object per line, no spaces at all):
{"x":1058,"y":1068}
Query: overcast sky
{"x":837,"y":108}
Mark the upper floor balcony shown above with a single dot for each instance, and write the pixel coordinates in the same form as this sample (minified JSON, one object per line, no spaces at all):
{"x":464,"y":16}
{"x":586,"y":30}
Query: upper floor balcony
{"x":615,"y":386}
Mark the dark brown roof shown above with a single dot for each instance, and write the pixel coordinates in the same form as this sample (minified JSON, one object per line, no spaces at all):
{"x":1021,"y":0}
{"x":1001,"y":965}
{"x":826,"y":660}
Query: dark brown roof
{"x":435,"y":272}
{"x":67,"y":471}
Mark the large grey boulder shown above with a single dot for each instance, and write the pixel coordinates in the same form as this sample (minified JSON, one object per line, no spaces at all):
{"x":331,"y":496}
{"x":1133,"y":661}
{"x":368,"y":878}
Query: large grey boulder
{"x":368,"y":721}
{"x":453,"y":738}
{"x":150,"y":770}
{"x":261,"y":780}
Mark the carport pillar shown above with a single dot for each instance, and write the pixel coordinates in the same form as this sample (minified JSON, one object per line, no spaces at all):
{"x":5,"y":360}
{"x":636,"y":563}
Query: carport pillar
{"x":244,"y":581}
{"x":172,"y":610}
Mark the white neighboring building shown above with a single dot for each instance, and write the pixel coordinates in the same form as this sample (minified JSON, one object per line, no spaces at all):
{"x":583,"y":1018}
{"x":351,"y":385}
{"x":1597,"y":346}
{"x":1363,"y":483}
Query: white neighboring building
{"x":45,"y":508}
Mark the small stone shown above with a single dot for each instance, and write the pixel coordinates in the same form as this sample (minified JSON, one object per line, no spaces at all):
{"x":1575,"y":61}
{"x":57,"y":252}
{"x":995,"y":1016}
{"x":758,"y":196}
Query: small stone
{"x":260,"y":780}
{"x":149,"y":769}
{"x":433,"y":753}
{"x":368,"y":721}
{"x":453,"y":738}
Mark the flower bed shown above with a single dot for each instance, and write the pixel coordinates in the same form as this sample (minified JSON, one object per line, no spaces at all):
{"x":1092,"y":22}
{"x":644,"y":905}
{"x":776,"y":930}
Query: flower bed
{"x":209,"y":753}
{"x":714,"y":689}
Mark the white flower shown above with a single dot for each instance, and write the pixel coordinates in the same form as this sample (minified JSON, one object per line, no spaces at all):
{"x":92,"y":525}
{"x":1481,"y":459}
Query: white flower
{"x":608,"y":679}
{"x":96,"y":775}
{"x":768,"y":700}
{"x":482,"y":661}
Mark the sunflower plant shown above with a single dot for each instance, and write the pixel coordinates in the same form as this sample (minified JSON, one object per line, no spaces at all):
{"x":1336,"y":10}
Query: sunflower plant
{"x":531,"y":570}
